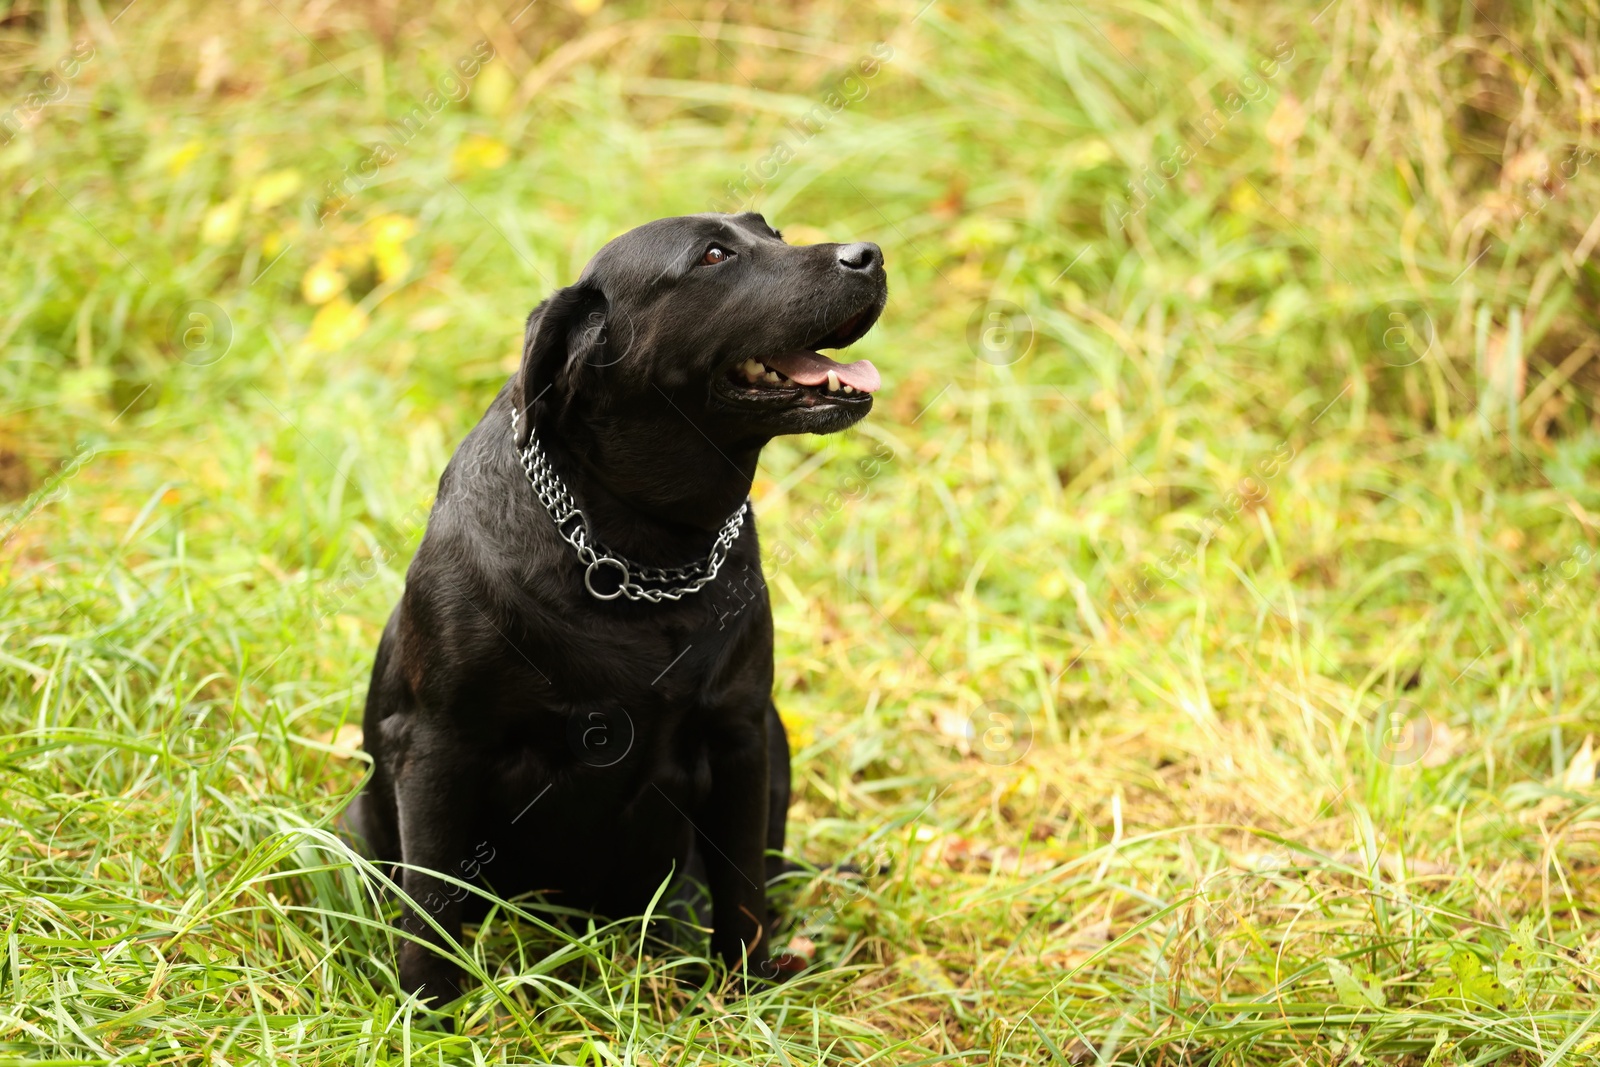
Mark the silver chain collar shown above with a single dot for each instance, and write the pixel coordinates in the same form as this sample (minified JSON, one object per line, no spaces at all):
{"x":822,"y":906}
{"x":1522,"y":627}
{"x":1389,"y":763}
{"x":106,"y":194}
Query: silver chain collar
{"x":675,"y":582}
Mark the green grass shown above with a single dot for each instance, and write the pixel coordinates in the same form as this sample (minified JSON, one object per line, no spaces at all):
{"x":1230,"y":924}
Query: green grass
{"x":1226,"y":524}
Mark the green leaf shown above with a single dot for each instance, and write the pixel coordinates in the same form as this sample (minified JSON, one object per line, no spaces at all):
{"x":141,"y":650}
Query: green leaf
{"x":1471,"y":981}
{"x":926,"y":972}
{"x":1516,"y":971}
{"x":1464,"y":965}
{"x":1357,"y":986}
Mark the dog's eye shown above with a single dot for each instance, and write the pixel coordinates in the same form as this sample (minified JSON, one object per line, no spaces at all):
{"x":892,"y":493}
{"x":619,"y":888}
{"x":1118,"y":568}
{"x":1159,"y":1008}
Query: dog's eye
{"x":714,"y":255}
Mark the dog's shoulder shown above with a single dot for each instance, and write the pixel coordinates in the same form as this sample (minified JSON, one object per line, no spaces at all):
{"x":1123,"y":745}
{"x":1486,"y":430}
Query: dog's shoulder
{"x":484,"y":533}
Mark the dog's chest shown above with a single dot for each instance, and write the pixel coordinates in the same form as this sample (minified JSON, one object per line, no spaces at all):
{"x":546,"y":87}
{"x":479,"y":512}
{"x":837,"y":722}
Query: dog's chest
{"x":679,"y":647}
{"x":644,"y":697}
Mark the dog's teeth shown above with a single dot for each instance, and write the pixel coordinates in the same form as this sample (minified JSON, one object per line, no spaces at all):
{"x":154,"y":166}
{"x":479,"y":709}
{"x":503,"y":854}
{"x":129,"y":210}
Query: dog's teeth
{"x":849,"y":389}
{"x":833,"y":381}
{"x":772,"y":376}
{"x":753,"y":370}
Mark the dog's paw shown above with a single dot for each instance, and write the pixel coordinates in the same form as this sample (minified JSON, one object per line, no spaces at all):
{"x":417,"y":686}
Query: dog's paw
{"x":430,"y":978}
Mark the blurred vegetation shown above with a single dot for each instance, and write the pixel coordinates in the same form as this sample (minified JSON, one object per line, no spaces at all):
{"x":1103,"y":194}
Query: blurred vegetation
{"x":1212,"y":650}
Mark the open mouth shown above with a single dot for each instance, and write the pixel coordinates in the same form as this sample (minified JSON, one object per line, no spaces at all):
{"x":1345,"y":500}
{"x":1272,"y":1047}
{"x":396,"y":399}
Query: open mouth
{"x":806,"y":375}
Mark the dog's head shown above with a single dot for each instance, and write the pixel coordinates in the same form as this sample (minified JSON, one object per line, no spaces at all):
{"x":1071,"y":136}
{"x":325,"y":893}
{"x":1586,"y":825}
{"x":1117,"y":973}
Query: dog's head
{"x":714,"y":317}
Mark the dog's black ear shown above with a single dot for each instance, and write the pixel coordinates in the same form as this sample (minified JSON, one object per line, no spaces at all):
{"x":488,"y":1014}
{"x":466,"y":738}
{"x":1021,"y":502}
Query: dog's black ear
{"x":561,"y":331}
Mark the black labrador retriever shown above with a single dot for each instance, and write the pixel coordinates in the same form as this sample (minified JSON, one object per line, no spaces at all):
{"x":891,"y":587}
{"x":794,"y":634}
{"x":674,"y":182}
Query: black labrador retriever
{"x":574,"y":695}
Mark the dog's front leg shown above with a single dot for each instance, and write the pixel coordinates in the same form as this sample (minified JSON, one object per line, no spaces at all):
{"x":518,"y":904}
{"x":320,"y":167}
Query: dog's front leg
{"x":733,"y":829}
{"x":436,"y":817}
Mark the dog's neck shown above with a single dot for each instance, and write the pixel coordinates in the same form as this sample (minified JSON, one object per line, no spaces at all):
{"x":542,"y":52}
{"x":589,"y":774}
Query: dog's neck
{"x":651,"y":487}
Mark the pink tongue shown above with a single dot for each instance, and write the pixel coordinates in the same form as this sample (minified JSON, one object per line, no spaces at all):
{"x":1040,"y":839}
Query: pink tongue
{"x":811,"y":368}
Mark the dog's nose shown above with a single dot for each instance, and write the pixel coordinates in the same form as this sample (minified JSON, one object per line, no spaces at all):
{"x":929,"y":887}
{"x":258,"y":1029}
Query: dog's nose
{"x":863,"y":255}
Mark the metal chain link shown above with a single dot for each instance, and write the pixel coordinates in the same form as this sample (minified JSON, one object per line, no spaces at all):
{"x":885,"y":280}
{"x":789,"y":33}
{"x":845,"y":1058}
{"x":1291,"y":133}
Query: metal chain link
{"x":574,"y":529}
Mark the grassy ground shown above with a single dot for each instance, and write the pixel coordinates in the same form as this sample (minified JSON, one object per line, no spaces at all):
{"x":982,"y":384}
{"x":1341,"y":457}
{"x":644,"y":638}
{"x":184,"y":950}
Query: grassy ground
{"x":1204,"y":624}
